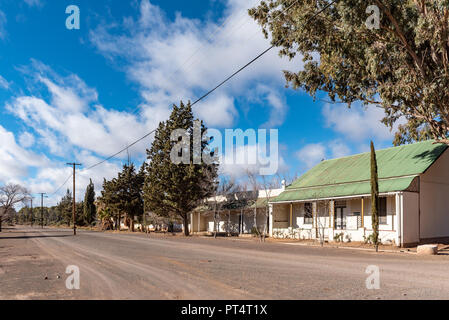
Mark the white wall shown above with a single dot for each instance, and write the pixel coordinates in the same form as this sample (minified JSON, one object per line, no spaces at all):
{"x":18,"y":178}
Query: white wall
{"x":410,"y":219}
{"x":434,"y":197}
{"x":300,"y":230}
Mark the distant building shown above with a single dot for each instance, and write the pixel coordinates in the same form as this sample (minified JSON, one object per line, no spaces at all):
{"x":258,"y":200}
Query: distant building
{"x":236,"y":213}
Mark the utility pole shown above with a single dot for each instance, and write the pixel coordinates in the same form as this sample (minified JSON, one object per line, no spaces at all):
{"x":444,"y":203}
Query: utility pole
{"x":32,"y":214}
{"x":74,"y":164}
{"x":43,"y":194}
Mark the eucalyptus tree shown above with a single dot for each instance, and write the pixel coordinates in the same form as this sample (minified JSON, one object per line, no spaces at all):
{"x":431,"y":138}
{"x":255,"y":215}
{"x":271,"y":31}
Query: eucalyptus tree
{"x":392,"y":54}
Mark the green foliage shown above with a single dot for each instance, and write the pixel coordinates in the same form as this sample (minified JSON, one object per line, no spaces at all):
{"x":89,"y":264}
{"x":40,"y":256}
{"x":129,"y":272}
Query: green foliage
{"x":176,"y":189}
{"x":79,"y":214}
{"x":255,"y":231}
{"x":338,"y":237}
{"x":371,"y":239}
{"x":374,"y":196}
{"x":89,"y":211}
{"x":123,"y":195}
{"x":402,"y":67}
{"x":65,"y":208}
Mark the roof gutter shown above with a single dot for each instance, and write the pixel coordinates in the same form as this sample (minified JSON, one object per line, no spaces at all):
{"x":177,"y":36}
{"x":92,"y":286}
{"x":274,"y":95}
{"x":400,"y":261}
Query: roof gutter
{"x":336,"y":198}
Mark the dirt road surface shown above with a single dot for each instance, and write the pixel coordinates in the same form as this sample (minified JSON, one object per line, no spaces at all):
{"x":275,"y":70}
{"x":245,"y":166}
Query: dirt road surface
{"x":33,"y":263}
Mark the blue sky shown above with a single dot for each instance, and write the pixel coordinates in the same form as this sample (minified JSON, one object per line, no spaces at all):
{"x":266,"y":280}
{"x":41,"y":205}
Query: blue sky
{"x":84,"y":94}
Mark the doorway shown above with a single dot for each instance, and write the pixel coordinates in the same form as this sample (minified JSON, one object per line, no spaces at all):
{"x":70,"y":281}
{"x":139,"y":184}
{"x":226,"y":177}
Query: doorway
{"x":339,"y":218}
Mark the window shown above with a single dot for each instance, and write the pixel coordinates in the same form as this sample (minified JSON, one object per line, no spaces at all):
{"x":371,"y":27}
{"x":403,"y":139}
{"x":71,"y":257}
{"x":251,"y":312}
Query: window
{"x":340,"y":204}
{"x":359,"y":219}
{"x":308,"y":214}
{"x":382,"y":210}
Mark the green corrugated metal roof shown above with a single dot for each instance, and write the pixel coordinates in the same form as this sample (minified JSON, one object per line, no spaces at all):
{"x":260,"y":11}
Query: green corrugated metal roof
{"x":260,"y":203}
{"x":350,"y":175}
{"x":342,"y":190}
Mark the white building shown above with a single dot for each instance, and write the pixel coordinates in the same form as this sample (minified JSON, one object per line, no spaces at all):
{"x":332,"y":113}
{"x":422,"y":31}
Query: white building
{"x":332,"y":200}
{"x":236,"y":214}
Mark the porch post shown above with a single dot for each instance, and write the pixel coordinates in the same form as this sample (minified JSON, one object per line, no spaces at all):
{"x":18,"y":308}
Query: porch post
{"x":331,"y":211}
{"x":199,"y":220}
{"x":191,"y":223}
{"x":291,"y":215}
{"x":363,"y":213}
{"x":315,"y":215}
{"x":331,"y":220}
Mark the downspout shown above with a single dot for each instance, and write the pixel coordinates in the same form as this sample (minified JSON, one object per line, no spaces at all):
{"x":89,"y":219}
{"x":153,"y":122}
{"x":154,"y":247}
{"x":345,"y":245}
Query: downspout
{"x":400,"y":217}
{"x":419,"y":209}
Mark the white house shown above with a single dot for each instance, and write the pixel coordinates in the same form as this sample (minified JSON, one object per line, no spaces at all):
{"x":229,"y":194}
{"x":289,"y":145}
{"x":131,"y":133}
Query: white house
{"x":237,"y":213}
{"x":332,"y":200}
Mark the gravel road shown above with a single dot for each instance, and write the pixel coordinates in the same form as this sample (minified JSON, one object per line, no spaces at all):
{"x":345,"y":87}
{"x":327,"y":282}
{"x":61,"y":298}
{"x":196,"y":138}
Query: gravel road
{"x":134,"y":266}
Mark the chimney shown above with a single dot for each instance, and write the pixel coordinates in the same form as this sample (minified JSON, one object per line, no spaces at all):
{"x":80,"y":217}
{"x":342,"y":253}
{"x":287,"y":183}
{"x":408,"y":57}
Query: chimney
{"x":283,"y":184}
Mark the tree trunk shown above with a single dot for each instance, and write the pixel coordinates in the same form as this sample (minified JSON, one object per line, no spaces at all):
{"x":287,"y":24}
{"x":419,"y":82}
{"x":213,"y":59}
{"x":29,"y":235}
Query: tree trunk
{"x":0,"y":224}
{"x":215,"y":224}
{"x":255,"y":222}
{"x":374,"y":198}
{"x":131,"y":223}
{"x":186,"y":224}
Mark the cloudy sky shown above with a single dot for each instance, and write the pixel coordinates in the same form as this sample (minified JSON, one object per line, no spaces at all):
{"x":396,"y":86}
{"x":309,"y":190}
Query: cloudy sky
{"x":82,"y":95}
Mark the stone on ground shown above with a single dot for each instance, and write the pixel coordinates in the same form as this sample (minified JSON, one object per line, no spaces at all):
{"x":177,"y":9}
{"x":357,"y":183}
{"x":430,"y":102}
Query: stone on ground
{"x":427,"y":249}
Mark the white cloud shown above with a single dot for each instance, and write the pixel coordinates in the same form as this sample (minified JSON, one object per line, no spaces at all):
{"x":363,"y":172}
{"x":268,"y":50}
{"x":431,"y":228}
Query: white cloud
{"x":357,"y":123}
{"x":73,"y":117}
{"x":254,"y":160}
{"x":311,"y":154}
{"x":275,"y":101}
{"x":3,"y":82}
{"x":2,"y":25}
{"x":171,"y":60}
{"x":85,"y":132}
{"x":338,"y":149}
{"x":15,"y":161}
{"x":26,"y":140}
{"x":219,"y":110}
{"x":75,"y":96}
{"x":183,"y":58}
{"x":34,"y":3}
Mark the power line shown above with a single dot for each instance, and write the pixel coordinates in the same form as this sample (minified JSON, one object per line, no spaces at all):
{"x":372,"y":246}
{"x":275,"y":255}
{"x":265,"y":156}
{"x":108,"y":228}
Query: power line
{"x":62,"y":185}
{"x":117,"y":153}
{"x":183,"y":66}
{"x":210,"y":91}
{"x":232,"y":75}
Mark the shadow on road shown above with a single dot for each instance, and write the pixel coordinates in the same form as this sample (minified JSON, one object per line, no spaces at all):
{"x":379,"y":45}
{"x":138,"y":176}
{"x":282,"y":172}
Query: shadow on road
{"x":36,"y":236}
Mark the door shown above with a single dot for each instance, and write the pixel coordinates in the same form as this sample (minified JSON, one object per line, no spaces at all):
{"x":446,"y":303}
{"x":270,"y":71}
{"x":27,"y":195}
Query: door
{"x":339,"y":219}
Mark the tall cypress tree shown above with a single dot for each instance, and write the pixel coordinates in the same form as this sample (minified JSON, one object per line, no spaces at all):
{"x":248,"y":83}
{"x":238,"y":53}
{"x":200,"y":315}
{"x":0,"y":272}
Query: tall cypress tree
{"x":89,"y":210}
{"x":123,"y":195}
{"x":374,"y":198}
{"x":129,"y":184}
{"x":110,"y":199}
{"x":176,"y":189}
{"x":65,"y":208}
